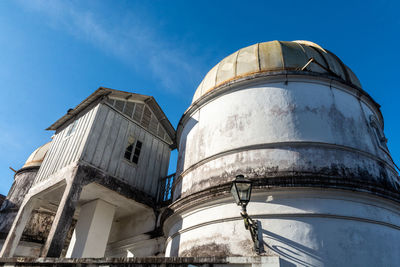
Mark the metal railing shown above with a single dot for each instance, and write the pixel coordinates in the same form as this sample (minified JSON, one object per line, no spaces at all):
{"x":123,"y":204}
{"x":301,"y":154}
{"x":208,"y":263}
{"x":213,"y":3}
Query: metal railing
{"x":165,"y":189}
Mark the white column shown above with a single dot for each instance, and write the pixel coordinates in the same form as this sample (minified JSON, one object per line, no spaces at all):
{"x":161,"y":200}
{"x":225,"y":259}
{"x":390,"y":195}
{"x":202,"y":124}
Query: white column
{"x":92,"y":230}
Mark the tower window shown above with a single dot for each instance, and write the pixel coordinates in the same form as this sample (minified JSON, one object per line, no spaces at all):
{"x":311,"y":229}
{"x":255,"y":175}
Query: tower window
{"x":71,"y":128}
{"x":119,"y":105}
{"x":132,"y":151}
{"x":129,"y":106}
{"x":379,"y":135}
{"x":110,"y":101}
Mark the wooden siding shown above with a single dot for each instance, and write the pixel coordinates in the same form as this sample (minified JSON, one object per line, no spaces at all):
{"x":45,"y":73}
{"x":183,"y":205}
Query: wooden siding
{"x":106,"y":146}
{"x":66,"y":150}
{"x":141,"y":114}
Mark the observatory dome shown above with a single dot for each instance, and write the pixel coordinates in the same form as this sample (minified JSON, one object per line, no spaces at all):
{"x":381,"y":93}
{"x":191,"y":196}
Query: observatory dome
{"x":275,"y":57}
{"x":292,"y":118}
{"x":37,"y":156}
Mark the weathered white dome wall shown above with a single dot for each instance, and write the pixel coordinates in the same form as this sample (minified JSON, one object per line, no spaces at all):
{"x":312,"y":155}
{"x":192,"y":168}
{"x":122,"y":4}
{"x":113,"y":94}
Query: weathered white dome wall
{"x":275,"y":129}
{"x":326,"y":191}
{"x":304,"y":227}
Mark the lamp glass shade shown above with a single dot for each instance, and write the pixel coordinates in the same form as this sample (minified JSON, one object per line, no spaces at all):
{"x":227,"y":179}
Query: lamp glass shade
{"x":244,"y":191}
{"x":235,"y":193}
{"x":241,"y":190}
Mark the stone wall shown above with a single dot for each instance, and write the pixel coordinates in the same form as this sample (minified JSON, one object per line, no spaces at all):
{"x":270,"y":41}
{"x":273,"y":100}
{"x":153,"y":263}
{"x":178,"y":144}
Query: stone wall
{"x":9,"y":208}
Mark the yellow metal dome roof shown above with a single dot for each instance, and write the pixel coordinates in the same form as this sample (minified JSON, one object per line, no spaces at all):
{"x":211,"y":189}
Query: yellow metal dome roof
{"x":36,"y":158}
{"x":301,"y":57}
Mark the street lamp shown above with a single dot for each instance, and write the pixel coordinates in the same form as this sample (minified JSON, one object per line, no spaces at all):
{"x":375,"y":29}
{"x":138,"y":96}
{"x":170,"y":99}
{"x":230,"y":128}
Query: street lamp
{"x":241,"y":191}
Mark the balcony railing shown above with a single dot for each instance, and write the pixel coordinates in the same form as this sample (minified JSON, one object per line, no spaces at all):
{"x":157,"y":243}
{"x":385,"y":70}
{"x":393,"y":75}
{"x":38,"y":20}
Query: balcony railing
{"x":165,"y":189}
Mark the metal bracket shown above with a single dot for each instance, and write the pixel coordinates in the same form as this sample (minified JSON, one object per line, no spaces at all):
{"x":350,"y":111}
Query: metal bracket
{"x":312,"y":60}
{"x":252,"y":226}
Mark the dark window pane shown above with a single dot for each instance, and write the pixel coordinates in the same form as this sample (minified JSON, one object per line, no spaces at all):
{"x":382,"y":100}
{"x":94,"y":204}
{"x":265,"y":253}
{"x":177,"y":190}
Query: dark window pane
{"x":139,"y":144}
{"x":128,"y":155}
{"x":110,"y":101}
{"x":136,"y":155}
{"x":137,"y":152}
{"x":138,"y":112}
{"x":129,"y":108}
{"x":153,"y":125}
{"x":129,"y":148}
{"x":119,"y":105}
{"x":146,"y":117}
{"x":128,"y":152}
{"x":161,"y":131}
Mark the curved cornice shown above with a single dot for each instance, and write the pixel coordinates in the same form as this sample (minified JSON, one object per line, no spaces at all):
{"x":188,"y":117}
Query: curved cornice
{"x":280,"y":145}
{"x":26,"y":169}
{"x":290,"y":180}
{"x":285,"y":216}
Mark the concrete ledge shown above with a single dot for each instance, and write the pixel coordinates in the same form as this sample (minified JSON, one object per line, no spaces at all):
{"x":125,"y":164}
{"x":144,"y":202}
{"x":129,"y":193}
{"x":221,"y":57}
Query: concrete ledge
{"x":290,"y":180}
{"x":88,"y":174}
{"x":147,"y":261}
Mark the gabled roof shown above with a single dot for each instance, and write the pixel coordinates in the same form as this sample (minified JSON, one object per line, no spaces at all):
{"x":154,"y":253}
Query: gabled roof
{"x":101,"y":92}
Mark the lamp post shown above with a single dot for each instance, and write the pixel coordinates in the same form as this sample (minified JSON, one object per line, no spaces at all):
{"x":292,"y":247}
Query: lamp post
{"x":241,"y":191}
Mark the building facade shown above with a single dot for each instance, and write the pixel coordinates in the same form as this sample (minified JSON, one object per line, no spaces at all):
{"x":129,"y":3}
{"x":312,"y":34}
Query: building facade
{"x":105,"y":162}
{"x":289,"y":116}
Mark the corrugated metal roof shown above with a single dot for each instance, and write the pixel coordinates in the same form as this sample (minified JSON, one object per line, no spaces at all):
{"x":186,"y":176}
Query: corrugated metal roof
{"x":300,"y":56}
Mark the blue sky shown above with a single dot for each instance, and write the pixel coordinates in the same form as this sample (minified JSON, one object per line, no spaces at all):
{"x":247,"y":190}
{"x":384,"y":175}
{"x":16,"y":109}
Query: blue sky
{"x":54,"y":54}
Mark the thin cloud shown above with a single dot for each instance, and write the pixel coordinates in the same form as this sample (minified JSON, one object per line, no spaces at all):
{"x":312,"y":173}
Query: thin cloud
{"x":131,"y":41}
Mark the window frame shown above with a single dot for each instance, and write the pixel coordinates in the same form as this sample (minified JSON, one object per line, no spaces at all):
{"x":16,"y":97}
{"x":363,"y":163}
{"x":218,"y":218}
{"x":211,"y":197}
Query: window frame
{"x":378,"y":133}
{"x":135,"y":151}
{"x":71,"y":129}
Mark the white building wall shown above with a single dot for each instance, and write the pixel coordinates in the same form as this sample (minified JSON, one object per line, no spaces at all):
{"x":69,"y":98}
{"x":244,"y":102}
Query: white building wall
{"x":299,"y":111}
{"x":289,"y":119}
{"x":304,"y":227}
{"x":129,"y":236}
{"x":299,"y":129}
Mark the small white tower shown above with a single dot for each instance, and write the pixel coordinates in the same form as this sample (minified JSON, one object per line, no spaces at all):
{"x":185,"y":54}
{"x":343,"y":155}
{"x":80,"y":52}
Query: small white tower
{"x":38,"y":227}
{"x":293,"y":118}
